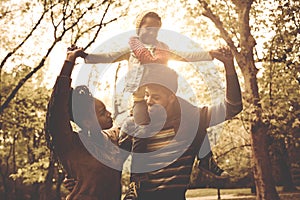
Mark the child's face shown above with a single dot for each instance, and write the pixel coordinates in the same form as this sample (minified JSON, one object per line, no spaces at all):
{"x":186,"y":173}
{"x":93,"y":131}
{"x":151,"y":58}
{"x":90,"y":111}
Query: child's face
{"x":149,"y":30}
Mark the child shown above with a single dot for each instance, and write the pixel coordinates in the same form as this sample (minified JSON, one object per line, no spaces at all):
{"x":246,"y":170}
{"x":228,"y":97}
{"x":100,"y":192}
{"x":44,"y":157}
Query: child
{"x":144,"y":49}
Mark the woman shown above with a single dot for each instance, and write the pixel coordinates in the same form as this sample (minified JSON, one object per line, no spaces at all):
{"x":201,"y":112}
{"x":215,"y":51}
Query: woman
{"x":80,"y":152}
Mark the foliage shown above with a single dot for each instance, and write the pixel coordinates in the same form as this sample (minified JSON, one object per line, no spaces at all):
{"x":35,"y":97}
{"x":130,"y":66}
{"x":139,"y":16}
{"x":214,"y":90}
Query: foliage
{"x":280,"y":87}
{"x":24,"y":153}
{"x":273,"y":111}
{"x":280,"y":83}
{"x":32,"y":31}
{"x":56,"y":21}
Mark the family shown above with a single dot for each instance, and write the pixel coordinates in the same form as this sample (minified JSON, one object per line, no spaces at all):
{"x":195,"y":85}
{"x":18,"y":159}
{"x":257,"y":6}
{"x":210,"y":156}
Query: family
{"x":163,"y":134}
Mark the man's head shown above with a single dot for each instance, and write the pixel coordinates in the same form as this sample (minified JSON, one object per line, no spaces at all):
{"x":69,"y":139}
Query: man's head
{"x":161,"y":85}
{"x":160,"y":95}
{"x":148,"y":24}
{"x":88,"y":112}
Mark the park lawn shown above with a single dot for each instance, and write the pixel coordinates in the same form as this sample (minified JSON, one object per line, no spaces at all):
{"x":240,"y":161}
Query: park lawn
{"x":243,"y":193}
{"x":203,"y":192}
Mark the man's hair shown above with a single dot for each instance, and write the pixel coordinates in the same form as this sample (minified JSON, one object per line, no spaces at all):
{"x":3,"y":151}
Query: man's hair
{"x":160,"y":75}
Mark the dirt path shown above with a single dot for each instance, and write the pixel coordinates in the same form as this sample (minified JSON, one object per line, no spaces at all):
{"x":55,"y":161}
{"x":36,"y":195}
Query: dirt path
{"x":223,"y":197}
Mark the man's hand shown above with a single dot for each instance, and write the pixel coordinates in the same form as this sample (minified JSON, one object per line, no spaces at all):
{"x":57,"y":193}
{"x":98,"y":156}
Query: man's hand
{"x":224,"y":55}
{"x":69,"y":183}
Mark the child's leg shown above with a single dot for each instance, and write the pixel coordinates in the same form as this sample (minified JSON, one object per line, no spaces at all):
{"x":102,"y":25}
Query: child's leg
{"x":140,"y":108}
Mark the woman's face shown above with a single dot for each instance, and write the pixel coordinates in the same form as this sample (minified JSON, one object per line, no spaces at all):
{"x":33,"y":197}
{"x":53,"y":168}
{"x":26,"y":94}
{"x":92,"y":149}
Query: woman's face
{"x":149,"y":30}
{"x":103,"y":116}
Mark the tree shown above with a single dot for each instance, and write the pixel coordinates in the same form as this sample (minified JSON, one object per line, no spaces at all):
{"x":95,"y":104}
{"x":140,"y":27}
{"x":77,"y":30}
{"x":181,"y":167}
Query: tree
{"x":41,"y":27}
{"x":281,"y":67}
{"x":241,"y":42}
{"x":65,"y":19}
{"x":24,"y":151}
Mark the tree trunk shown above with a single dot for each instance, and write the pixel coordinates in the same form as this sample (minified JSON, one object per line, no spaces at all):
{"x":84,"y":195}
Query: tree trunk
{"x":265,"y":187}
{"x":45,"y":190}
{"x":285,"y":170}
{"x":4,"y":184}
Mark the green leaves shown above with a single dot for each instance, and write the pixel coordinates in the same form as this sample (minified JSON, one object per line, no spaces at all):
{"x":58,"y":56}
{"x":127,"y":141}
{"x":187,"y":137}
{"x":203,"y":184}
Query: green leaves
{"x":22,"y":142}
{"x":33,"y":173}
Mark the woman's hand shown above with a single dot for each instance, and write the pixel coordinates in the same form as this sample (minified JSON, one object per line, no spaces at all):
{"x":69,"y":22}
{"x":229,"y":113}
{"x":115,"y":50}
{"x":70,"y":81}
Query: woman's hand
{"x":74,"y":52}
{"x":69,"y":183}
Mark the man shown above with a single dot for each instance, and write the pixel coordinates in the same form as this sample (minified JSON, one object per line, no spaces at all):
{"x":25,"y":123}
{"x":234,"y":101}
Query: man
{"x":162,"y":159}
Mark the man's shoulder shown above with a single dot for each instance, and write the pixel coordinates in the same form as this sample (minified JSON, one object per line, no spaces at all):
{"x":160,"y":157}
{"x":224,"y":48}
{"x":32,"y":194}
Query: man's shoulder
{"x":184,"y":104}
{"x":192,"y":111}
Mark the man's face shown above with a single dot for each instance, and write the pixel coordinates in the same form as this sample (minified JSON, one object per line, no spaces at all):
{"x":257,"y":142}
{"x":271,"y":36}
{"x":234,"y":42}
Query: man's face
{"x":156,"y":94}
{"x":103,"y":116}
{"x":149,"y":30}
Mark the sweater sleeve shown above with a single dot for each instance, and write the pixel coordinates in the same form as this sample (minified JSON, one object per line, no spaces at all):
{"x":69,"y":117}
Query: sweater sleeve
{"x":231,"y":106}
{"x":122,"y":54}
{"x":58,"y":117}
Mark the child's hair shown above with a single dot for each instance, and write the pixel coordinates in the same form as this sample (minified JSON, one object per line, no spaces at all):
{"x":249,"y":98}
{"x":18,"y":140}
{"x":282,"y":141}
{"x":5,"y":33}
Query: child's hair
{"x":142,"y":16}
{"x":81,"y":105}
{"x":151,"y":15}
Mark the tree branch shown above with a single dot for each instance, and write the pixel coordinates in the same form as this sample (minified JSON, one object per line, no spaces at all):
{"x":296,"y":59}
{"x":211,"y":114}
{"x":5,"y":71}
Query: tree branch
{"x":246,"y":39}
{"x":100,"y":25}
{"x":23,"y":80}
{"x":224,"y":34}
{"x":25,"y":39}
{"x":56,"y":40}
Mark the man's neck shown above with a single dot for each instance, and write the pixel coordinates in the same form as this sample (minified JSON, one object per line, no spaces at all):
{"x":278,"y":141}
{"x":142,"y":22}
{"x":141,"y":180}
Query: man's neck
{"x":174,"y":114}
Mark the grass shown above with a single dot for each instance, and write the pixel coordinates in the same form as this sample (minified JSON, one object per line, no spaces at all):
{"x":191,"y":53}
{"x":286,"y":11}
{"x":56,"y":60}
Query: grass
{"x":213,"y":192}
{"x":236,"y":194}
{"x":233,"y":194}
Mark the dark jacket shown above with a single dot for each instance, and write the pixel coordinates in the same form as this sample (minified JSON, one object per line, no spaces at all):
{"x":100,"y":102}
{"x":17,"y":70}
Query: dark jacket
{"x":95,"y":181}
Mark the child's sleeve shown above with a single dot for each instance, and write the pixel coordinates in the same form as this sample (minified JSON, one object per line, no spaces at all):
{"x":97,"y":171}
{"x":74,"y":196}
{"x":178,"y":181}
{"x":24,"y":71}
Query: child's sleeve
{"x":190,"y":56}
{"x":122,"y":54}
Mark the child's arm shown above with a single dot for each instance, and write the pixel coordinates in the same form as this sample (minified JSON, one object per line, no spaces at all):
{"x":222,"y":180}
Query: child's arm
{"x":161,"y":54}
{"x":111,"y":57}
{"x":190,"y":56}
